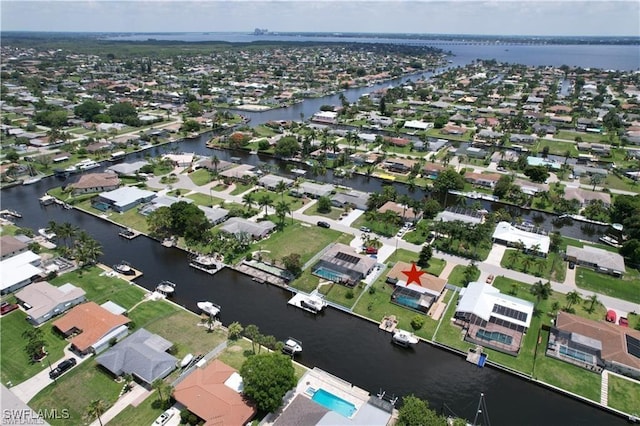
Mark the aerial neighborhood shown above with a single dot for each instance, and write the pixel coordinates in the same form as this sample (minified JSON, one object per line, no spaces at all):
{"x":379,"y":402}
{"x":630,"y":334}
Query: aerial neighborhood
{"x":489,"y":209}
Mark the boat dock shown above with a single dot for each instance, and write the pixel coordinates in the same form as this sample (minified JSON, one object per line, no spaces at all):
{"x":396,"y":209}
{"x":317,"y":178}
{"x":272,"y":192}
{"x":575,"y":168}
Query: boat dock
{"x":129,"y":233}
{"x":137,"y":273}
{"x":388,"y":323}
{"x":313,"y":302}
{"x":477,"y":356}
{"x":11,"y":213}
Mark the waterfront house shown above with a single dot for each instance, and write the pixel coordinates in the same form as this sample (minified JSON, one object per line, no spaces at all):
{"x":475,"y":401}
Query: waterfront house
{"x":123,"y":199}
{"x":240,"y":172}
{"x":11,"y":246}
{"x":91,"y":327}
{"x":341,"y":264}
{"x":42,"y":301}
{"x":486,"y":180}
{"x":354,"y":199}
{"x":19,"y":270}
{"x":325,"y":117}
{"x":460,"y":214}
{"x":270,"y":182}
{"x":95,"y":182}
{"x":161,"y":201}
{"x":600,"y":260}
{"x":142,"y":354}
{"x":216,"y":215}
{"x":403,"y":211}
{"x":509,"y":235}
{"x":256,"y":230}
{"x":313,"y":190}
{"x":127,"y":169}
{"x":585,"y":196}
{"x":419,"y":297}
{"x":399,"y":165}
{"x":472,"y":152}
{"x":595,"y":345}
{"x":214,"y":394}
{"x":493,"y":319}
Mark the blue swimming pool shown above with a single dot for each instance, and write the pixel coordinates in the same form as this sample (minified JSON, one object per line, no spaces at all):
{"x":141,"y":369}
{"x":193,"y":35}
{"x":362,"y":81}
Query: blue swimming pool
{"x":334,"y":403}
{"x":327,"y":274}
{"x":494,"y":335}
{"x":408,"y":301}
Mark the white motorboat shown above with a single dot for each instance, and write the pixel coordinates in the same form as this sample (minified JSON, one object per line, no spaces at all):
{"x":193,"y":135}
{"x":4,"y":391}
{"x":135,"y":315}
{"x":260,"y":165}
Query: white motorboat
{"x":209,"y":308}
{"x":186,"y":360}
{"x":313,"y":302}
{"x":46,"y":234}
{"x":46,"y":200}
{"x":208,"y":264}
{"x":124,"y":268}
{"x":292,"y":346}
{"x":87,"y":165}
{"x":404,"y":338}
{"x":32,"y":180}
{"x":166,"y":287}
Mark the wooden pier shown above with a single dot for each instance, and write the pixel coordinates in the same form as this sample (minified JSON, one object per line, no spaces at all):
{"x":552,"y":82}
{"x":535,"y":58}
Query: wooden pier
{"x":388,"y":323}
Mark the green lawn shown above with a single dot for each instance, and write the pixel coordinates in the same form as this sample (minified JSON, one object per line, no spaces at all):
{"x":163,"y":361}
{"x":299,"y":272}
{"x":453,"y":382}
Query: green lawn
{"x":377,"y":226}
{"x":339,"y":293}
{"x":557,"y":147}
{"x":131,"y":219}
{"x":146,"y":313}
{"x":624,"y":395}
{"x":241,"y":188}
{"x":586,"y":137}
{"x":143,"y":414}
{"x":615,"y":182}
{"x":293,"y":202}
{"x":306,"y":282}
{"x":205,"y":199}
{"x":456,"y":277}
{"x":101,"y":288}
{"x":15,"y":366}
{"x":75,"y":390}
{"x":552,"y":267}
{"x":299,"y":238}
{"x":201,"y":177}
{"x":435,"y":265}
{"x":627,"y":287}
{"x":334,"y":213}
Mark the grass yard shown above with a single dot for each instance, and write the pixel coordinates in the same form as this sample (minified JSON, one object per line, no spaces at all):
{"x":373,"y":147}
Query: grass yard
{"x":333,"y":214}
{"x":101,"y":288}
{"x":557,"y":147}
{"x":140,"y":415}
{"x":552,"y":267}
{"x":148,"y":312}
{"x":586,"y":137}
{"x":456,"y":277}
{"x":341,"y":294}
{"x":615,"y":182}
{"x":15,"y":366}
{"x":306,"y":240}
{"x":204,"y":199}
{"x":306,"y":282}
{"x":435,"y":265}
{"x":201,"y":177}
{"x":131,"y":219}
{"x":75,"y":390}
{"x":627,"y":287}
{"x":624,"y":395}
{"x":183,"y":330}
{"x":241,"y":188}
{"x":293,"y":202}
{"x":377,"y":226}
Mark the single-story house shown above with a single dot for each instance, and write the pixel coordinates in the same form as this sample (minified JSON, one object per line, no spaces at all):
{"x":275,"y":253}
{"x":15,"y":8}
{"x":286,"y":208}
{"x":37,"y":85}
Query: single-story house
{"x":601,"y":260}
{"x":539,"y":161}
{"x":357,"y":199}
{"x":530,"y":188}
{"x":429,"y":284}
{"x":11,"y":246}
{"x":125,"y":198}
{"x":256,"y":230}
{"x":493,"y":319}
{"x":42,"y":301}
{"x":91,"y":327}
{"x":95,"y":182}
{"x":399,"y":165}
{"x":180,"y":160}
{"x":161,"y":201}
{"x":405,"y":212}
{"x":341,"y":264}
{"x":271,"y":181}
{"x":214,"y":394}
{"x":595,"y":345}
{"x":240,"y":172}
{"x":142,"y":354}
{"x":19,"y":270}
{"x":585,"y":196}
{"x":487,"y":180}
{"x":328,"y":117}
{"x":206,"y":163}
{"x":127,"y":169}
{"x":215,"y":215}
{"x":452,"y":214}
{"x":526,"y":139}
{"x":418,"y":125}
{"x":314,"y":190}
{"x":472,"y":152}
{"x":488,"y":135}
{"x":509,"y":235}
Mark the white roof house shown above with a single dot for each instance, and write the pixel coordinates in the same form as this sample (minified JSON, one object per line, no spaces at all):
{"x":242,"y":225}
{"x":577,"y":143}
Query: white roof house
{"x":510,"y":235}
{"x":417,"y":124}
{"x":126,"y":197}
{"x":485,"y":301}
{"x":43,"y":301}
{"x":315,"y":190}
{"x":18,"y":271}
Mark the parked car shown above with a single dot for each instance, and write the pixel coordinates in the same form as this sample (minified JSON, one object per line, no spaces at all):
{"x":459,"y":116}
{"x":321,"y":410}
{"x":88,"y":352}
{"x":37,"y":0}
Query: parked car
{"x":371,"y":250}
{"x":611,"y":316}
{"x":623,"y":321}
{"x":365,"y":229}
{"x":6,"y":307}
{"x":572,"y":265}
{"x":62,"y":367}
{"x":489,"y":279}
{"x":164,"y":417}
{"x":323,"y":224}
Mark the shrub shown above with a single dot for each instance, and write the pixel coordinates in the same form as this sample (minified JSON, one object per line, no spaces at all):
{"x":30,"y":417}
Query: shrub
{"x":372,"y":290}
{"x":349,"y":294}
{"x":417,"y":322}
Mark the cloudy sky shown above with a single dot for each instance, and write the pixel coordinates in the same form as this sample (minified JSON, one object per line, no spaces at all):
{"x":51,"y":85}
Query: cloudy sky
{"x":523,"y":17}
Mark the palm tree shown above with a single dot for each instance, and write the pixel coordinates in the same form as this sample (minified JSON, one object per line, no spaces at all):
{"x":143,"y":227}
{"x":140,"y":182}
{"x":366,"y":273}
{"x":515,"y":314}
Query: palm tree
{"x":88,"y":251}
{"x":247,"y":200}
{"x":281,"y":187}
{"x":514,"y":256}
{"x":282,"y":208}
{"x":526,"y":263}
{"x":161,"y":387}
{"x":265,"y":201}
{"x":215,"y":161}
{"x":573,"y":298}
{"x":593,"y":300}
{"x":67,"y":232}
{"x":96,"y":408}
{"x":541,"y":291}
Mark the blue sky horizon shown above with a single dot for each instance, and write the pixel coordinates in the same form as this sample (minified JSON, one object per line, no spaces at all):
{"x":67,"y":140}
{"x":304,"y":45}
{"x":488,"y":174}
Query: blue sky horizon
{"x":465,"y":17}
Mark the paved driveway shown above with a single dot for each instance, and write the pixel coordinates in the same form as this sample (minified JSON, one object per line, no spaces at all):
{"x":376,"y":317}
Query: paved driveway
{"x":26,"y":390}
{"x":496,"y":254}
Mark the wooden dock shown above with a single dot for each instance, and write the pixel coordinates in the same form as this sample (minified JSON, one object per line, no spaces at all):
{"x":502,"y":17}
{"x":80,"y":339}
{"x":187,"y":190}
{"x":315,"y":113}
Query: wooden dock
{"x":388,"y":323}
{"x":476,"y":356}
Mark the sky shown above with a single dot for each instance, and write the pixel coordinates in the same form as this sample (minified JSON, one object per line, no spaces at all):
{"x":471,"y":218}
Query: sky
{"x":499,"y":17}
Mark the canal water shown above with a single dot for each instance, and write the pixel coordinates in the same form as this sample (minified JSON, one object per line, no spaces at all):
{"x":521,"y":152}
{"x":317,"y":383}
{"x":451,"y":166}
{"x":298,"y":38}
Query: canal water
{"x":341,"y":344}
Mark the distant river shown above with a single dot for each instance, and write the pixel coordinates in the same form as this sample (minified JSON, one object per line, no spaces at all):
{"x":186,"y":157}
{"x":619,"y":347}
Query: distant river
{"x":615,"y":57}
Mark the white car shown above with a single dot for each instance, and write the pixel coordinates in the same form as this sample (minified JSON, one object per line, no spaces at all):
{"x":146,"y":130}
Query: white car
{"x":164,"y":417}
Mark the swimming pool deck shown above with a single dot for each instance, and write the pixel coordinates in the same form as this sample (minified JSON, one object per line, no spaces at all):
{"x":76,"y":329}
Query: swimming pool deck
{"x":319,"y":379}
